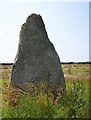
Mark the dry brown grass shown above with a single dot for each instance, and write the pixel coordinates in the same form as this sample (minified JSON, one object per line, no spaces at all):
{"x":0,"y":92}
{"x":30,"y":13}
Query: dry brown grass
{"x":71,"y":71}
{"x":76,"y":71}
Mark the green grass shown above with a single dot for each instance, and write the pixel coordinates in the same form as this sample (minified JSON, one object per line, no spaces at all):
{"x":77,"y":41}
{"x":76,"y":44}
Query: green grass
{"x":72,"y":103}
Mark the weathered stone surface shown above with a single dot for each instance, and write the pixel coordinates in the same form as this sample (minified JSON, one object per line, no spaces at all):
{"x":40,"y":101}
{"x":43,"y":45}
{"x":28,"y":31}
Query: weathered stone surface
{"x":36,"y":60}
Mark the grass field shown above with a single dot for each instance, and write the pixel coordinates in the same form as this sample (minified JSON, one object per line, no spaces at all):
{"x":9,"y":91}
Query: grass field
{"x":73,"y":103}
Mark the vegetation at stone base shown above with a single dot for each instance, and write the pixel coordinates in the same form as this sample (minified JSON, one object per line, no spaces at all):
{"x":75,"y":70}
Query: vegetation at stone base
{"x":73,"y":103}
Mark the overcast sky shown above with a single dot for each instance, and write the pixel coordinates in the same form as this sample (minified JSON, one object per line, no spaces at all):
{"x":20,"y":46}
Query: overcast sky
{"x":67,"y":25}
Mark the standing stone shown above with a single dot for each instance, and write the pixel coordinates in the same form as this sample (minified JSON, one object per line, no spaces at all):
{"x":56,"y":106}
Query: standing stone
{"x":36,"y":60}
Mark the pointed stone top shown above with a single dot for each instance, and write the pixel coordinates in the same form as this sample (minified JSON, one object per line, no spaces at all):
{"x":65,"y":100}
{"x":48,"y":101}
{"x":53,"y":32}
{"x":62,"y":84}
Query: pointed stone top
{"x":34,"y":17}
{"x":34,"y":24}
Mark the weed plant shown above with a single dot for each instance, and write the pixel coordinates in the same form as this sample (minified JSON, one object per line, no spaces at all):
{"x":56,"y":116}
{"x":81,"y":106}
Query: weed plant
{"x":72,"y":103}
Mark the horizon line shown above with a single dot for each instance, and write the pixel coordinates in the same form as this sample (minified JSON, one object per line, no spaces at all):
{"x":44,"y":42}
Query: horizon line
{"x":84,"y":62}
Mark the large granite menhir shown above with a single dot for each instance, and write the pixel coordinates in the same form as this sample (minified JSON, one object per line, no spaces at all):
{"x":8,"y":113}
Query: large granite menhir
{"x":36,"y":60}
